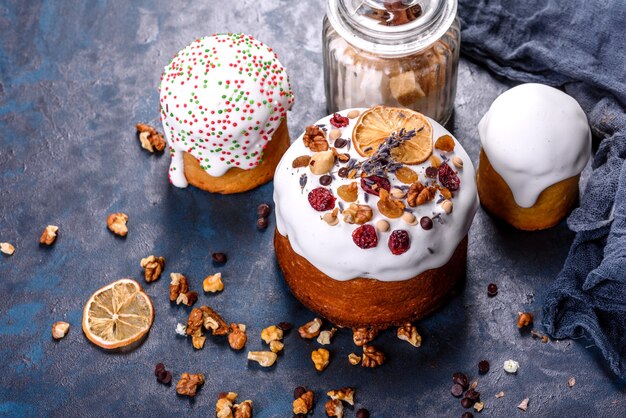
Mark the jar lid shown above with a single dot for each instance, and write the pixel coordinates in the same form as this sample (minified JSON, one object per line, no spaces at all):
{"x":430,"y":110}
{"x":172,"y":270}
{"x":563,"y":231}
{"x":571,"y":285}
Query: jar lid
{"x":391,"y":27}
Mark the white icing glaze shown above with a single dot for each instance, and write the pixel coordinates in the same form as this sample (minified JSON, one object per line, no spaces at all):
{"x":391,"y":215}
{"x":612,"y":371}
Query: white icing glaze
{"x":331,"y":249}
{"x":222,"y":97}
{"x":535,"y":136}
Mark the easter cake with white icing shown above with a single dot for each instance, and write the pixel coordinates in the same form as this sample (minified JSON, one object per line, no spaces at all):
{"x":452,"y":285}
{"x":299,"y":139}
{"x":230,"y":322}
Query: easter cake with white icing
{"x":224,"y":100}
{"x":373,"y":208}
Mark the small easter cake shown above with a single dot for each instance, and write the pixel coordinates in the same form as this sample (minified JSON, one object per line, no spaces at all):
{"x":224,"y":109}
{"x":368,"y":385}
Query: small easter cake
{"x":373,"y":207}
{"x":224,"y":102}
{"x":535,"y":143}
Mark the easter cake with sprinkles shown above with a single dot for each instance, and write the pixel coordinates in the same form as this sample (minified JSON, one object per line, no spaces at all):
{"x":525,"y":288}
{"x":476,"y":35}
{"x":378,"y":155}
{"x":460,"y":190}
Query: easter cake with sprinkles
{"x":373,"y":209}
{"x":224,"y":100}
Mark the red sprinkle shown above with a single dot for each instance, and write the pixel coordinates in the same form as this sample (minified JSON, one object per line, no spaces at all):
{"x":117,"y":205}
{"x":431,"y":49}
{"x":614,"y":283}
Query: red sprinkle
{"x":365,"y":237}
{"x":339,"y":121}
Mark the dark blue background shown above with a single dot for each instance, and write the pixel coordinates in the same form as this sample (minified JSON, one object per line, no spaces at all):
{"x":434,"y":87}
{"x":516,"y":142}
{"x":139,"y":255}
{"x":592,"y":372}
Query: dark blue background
{"x":75,"y":77}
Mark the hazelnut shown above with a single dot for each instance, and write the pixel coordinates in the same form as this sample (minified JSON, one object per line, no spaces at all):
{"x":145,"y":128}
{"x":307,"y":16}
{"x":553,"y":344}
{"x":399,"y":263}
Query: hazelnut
{"x":382,"y":225}
{"x":60,"y":329}
{"x":322,"y":162}
{"x":237,"y":336}
{"x":271,"y":333}
{"x":354,"y":359}
{"x":264,"y":358}
{"x":321,"y":359}
{"x":446,"y":205}
{"x":213,"y":283}
{"x":49,"y":235}
{"x":524,"y":319}
{"x":457,"y":161}
{"x":334,"y":134}
{"x":325,"y":336}
{"x":353,"y":114}
{"x":409,"y":218}
{"x":334,"y":408}
{"x":311,"y":329}
{"x":116,"y":222}
{"x":7,"y":248}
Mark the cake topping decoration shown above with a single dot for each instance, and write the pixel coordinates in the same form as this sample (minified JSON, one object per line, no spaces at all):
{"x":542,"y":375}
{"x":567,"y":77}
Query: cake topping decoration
{"x":365,"y":237}
{"x":339,"y":121}
{"x":321,"y":199}
{"x":315,"y":139}
{"x":448,"y":177}
{"x":399,"y":242}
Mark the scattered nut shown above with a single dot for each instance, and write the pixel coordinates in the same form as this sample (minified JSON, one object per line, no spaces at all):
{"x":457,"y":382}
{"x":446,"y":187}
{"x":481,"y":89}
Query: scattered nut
{"x":311,"y":329}
{"x":49,"y":235}
{"x":314,"y":138}
{"x":321,"y":359}
{"x":271,"y":333}
{"x":524,"y":319}
{"x":301,"y":161}
{"x":325,"y":336}
{"x":304,"y":403}
{"x":276,"y":346}
{"x":445,"y":143}
{"x":348,"y":192}
{"x":357,"y":214}
{"x":243,"y":410}
{"x":60,"y":329}
{"x":213,"y":321}
{"x":334,"y":134}
{"x":435,"y":161}
{"x":372,"y":357}
{"x":571,"y":382}
{"x":189,"y":383}
{"x":479,"y":406}
{"x":511,"y":366}
{"x":344,"y":394}
{"x":116,"y":222}
{"x":353,"y":114}
{"x":7,"y":248}
{"x":362,"y":336}
{"x":523,"y":406}
{"x":322,"y":162}
{"x":179,"y":290}
{"x":354,"y":359}
{"x":194,"y":323}
{"x":198,"y":342}
{"x":409,"y":334}
{"x":409,"y":218}
{"x":382,"y":225}
{"x":500,"y":394}
{"x":446,"y":205}
{"x":331,"y":217}
{"x":334,"y":408}
{"x":213,"y":283}
{"x":237,"y":336}
{"x":224,"y":405}
{"x":388,"y":207}
{"x":458,"y":162}
{"x":264,"y":358}
{"x":397,"y":193}
{"x":153,"y":267}
{"x":150,"y":139}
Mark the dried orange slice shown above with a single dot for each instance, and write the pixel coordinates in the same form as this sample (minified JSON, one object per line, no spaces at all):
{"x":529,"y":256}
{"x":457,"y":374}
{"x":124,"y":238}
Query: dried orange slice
{"x":376,"y":124}
{"x":118,"y":314}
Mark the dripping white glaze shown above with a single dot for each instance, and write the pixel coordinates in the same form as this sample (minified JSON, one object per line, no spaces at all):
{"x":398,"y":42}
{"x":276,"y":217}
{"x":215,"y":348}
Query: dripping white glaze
{"x":331,"y":249}
{"x":535,"y":136}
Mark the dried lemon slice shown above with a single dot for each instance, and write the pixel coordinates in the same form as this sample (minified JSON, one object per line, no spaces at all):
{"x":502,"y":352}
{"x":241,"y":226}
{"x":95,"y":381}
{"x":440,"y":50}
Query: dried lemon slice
{"x":118,"y":314}
{"x":378,"y":123}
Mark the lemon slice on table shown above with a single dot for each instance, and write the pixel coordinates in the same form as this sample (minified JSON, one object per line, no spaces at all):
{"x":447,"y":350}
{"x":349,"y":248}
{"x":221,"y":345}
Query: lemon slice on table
{"x":378,"y":123}
{"x":118,"y":314}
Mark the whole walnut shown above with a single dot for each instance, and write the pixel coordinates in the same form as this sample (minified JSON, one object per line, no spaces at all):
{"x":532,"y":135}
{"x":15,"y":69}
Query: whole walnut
{"x":372,"y":357}
{"x":188,"y":384}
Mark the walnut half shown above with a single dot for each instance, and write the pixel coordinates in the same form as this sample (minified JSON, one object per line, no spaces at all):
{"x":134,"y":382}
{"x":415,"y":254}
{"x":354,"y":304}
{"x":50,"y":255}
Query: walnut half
{"x":237,"y":337}
{"x":409,"y":333}
{"x":311,"y":329}
{"x":49,"y":235}
{"x":362,"y":336}
{"x":372,"y":357}
{"x":153,"y":267}
{"x":189,"y":383}
{"x":116,"y":222}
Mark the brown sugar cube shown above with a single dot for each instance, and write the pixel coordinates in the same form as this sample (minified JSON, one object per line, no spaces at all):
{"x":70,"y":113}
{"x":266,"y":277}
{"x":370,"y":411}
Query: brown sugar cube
{"x":405,"y":88}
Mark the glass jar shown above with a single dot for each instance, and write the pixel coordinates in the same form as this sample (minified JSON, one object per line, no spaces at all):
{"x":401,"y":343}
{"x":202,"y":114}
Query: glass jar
{"x":392,"y":52}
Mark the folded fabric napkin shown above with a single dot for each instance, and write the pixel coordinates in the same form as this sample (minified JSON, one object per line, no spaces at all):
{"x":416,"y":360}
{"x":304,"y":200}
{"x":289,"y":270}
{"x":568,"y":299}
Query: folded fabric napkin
{"x":578,"y":46}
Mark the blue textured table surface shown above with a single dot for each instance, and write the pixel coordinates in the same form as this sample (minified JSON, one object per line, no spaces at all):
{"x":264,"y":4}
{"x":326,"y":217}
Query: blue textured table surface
{"x":75,"y":77}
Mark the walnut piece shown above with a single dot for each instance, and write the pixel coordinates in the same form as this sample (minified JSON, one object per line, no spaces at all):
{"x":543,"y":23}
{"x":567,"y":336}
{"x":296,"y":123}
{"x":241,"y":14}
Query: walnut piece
{"x":389,"y":207}
{"x":372,"y":357}
{"x":344,"y":394}
{"x":49,"y":235}
{"x":334,"y":408}
{"x":179,"y":290}
{"x":276,"y":346}
{"x":362,"y":336}
{"x":354,"y":359}
{"x":194,"y":323}
{"x":7,"y":248}
{"x":357,"y":214}
{"x":153,"y":267}
{"x":314,"y":138}
{"x":243,"y":409}
{"x":213,"y":283}
{"x":321,"y":359}
{"x":60,"y":329}
{"x":524,"y":319}
{"x":325,"y":336}
{"x":150,"y":139}
{"x":304,"y":403}
{"x":116,"y":222}
{"x":418,"y":194}
{"x":237,"y":336}
{"x":311,"y":329}
{"x":271,"y":333}
{"x":189,"y":383}
{"x":264,"y":358}
{"x":198,"y":342}
{"x":213,"y":321}
{"x":409,"y":333}
{"x":224,"y":405}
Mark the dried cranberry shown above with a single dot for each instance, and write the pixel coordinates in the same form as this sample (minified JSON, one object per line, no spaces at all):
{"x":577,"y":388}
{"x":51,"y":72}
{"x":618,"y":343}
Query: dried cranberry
{"x":399,"y":242}
{"x":339,"y":121}
{"x":431,"y":172}
{"x":365,"y":237}
{"x":373,"y":184}
{"x":448,"y":178}
{"x":321,"y":199}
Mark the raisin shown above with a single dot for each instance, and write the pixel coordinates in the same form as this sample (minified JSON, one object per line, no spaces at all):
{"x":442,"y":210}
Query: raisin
{"x":399,"y":242}
{"x":373,"y":184}
{"x":339,"y":121}
{"x":365,"y":237}
{"x":448,"y":178}
{"x":431,"y":172}
{"x":321,"y":199}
